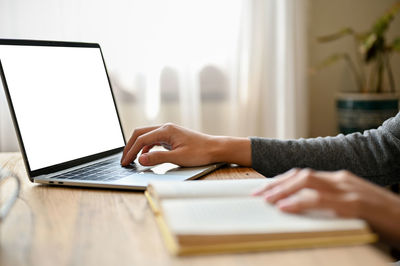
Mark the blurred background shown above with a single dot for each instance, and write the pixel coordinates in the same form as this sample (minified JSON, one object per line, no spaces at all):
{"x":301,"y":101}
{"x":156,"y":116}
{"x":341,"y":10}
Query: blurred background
{"x":228,"y":67}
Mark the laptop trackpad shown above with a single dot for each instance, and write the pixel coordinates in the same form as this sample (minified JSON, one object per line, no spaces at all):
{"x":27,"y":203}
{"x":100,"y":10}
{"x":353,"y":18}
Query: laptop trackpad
{"x":162,"y":169}
{"x":163,"y":172}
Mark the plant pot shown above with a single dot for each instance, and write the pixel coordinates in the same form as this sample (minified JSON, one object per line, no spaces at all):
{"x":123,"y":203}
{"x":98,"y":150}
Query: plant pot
{"x":361,"y":111}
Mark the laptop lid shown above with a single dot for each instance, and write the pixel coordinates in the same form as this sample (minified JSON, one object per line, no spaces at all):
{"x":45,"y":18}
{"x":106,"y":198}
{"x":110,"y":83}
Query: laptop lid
{"x":61,"y":102}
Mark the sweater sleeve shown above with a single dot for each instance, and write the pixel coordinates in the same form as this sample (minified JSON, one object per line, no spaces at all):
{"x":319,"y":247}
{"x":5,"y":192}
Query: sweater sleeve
{"x":373,"y":155}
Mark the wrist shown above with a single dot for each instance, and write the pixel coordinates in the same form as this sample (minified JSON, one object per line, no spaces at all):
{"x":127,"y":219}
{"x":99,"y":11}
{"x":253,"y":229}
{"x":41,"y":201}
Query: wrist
{"x":231,"y":150}
{"x":383,"y":214}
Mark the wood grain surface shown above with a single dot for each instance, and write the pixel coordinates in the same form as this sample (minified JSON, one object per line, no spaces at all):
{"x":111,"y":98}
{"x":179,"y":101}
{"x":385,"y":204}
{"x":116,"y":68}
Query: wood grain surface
{"x":77,"y":226}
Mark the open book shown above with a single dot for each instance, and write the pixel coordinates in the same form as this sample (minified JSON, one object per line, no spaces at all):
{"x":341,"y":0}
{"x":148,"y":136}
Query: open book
{"x":221,"y":216}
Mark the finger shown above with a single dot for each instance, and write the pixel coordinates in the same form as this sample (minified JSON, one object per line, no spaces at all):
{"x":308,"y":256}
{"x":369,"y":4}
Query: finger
{"x":278,"y":181}
{"x":157,"y":157}
{"x":298,"y":204}
{"x":306,"y":178}
{"x":150,"y":138}
{"x":136,"y":133}
{"x":147,"y":148}
{"x":338,"y":203}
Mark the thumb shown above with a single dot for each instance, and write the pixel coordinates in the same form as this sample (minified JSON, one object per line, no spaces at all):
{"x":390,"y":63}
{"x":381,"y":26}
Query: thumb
{"x":156,"y":157}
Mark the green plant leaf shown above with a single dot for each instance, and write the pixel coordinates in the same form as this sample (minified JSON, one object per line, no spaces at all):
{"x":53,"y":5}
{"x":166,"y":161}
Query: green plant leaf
{"x":372,"y":46}
{"x":368,"y":42}
{"x":327,"y":62}
{"x":333,"y":59}
{"x":382,"y":24}
{"x":337,"y":35}
{"x":396,"y":44}
{"x":330,"y":60}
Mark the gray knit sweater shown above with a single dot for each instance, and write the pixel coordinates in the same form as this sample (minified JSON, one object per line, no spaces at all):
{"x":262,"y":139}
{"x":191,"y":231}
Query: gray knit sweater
{"x":374,"y":155}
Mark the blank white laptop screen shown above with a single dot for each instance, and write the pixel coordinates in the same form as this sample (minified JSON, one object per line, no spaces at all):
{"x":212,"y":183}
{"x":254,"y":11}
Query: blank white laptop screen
{"x":62,"y":101}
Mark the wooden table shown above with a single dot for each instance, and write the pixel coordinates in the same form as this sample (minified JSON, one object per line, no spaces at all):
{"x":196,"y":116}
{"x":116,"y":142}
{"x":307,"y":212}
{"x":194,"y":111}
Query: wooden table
{"x":78,"y":226}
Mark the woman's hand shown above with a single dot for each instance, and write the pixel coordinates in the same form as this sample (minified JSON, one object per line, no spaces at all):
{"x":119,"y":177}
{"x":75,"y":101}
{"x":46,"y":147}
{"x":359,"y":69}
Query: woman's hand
{"x":343,"y":192}
{"x":185,"y":147}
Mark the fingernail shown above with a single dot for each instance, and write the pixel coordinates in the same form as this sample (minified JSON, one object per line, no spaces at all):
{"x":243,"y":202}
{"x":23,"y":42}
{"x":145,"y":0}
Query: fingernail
{"x":270,"y":195}
{"x":286,"y":204}
{"x":256,"y":192}
{"x":144,"y":159}
{"x":125,"y":161}
{"x":259,"y":191}
{"x":283,"y":204}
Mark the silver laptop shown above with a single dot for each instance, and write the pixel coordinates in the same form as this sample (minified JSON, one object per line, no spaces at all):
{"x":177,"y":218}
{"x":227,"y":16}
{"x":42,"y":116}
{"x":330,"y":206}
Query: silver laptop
{"x":66,"y":119}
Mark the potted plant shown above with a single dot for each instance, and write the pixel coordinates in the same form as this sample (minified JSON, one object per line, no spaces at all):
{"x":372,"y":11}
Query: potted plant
{"x":376,"y":98}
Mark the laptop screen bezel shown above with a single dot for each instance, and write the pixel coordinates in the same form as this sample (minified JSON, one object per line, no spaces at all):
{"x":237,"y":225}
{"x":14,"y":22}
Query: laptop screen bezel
{"x":68,"y":164}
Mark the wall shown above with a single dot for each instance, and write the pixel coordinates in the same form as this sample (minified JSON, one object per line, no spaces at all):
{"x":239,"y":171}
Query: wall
{"x":326,"y":16}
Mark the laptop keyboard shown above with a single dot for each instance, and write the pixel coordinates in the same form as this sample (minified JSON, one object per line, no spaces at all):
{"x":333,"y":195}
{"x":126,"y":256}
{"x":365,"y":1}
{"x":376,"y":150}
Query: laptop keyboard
{"x":103,"y":171}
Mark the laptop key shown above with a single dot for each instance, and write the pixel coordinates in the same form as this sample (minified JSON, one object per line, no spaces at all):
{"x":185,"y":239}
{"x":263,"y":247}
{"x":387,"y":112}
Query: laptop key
{"x":103,"y":171}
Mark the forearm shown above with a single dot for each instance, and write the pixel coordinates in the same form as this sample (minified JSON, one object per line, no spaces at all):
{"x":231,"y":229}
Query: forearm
{"x":231,"y":150}
{"x":373,"y":155}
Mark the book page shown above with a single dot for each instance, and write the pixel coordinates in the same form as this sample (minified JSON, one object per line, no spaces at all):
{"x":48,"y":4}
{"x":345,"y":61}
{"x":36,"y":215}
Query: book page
{"x":244,"y":215}
{"x":206,"y":188}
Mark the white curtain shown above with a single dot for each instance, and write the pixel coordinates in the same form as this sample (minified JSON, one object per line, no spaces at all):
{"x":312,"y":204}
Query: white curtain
{"x":232,"y":67}
{"x":272,"y":70}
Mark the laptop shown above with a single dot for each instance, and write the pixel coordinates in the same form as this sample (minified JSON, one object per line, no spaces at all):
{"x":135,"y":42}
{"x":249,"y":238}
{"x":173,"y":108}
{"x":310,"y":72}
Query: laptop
{"x":66,"y":118}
